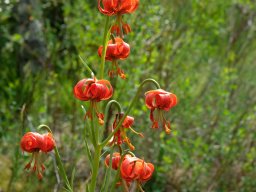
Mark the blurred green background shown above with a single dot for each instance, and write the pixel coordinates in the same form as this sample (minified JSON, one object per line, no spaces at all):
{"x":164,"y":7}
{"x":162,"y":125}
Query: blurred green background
{"x":204,"y":51}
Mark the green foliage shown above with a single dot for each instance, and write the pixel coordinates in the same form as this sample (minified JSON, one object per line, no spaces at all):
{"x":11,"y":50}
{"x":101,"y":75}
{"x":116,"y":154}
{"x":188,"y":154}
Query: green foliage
{"x":203,"y":51}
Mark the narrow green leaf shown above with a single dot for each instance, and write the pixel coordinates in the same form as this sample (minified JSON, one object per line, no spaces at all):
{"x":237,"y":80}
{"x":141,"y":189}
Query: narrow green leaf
{"x":88,"y":152}
{"x":72,"y":177}
{"x":105,"y":185}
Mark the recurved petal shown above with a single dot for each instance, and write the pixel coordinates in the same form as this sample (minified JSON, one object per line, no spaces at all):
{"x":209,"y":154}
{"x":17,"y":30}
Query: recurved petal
{"x":174,"y":99}
{"x":109,"y":7}
{"x":125,"y":51}
{"x":115,"y":160}
{"x":108,"y":89}
{"x":163,"y":101}
{"x":96,"y":91}
{"x":147,"y":172}
{"x":100,"y":50}
{"x":128,"y":122}
{"x":31,"y":142}
{"x":49,"y":143}
{"x":128,"y":6}
{"x":81,"y":88}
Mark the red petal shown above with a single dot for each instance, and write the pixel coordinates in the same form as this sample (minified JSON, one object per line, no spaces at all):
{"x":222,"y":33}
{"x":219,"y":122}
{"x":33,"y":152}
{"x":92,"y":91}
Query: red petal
{"x":128,"y":6}
{"x":100,"y":50}
{"x":108,"y":88}
{"x":31,"y":142}
{"x":128,"y":122}
{"x":49,"y":143}
{"x":163,"y":101}
{"x":107,"y":7}
{"x":80,"y":89}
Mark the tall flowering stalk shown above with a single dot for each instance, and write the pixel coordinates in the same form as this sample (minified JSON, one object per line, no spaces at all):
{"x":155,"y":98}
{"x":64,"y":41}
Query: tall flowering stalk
{"x":129,"y":168}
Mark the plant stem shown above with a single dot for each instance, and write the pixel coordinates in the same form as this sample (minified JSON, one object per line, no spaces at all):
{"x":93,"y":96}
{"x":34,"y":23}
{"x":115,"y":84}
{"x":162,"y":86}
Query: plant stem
{"x":59,"y":162}
{"x":94,"y":138}
{"x":95,"y":168}
{"x":129,"y":109}
{"x":105,"y":38}
{"x":119,"y":23}
{"x":46,"y":127}
{"x":87,"y":66}
{"x":62,"y":170}
{"x":106,"y":114}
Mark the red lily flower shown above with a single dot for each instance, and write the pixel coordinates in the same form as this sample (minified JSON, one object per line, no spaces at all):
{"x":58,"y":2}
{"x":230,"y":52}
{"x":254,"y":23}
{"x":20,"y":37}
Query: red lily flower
{"x":116,"y":49}
{"x":115,"y":160}
{"x":33,"y":143}
{"x":120,"y":136}
{"x":117,"y":7}
{"x":93,"y":90}
{"x":133,"y":168}
{"x":161,"y":101}
{"x":48,"y":144}
{"x":116,"y":157}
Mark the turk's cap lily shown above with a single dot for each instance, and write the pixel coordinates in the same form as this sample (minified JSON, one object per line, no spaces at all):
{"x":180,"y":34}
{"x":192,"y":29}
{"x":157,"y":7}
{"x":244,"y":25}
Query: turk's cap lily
{"x":116,"y":157}
{"x":48,"y":144}
{"x":116,"y":49}
{"x":133,"y":168}
{"x":31,"y":142}
{"x":160,"y":99}
{"x":114,"y":7}
{"x":93,"y":89}
{"x":34,"y":143}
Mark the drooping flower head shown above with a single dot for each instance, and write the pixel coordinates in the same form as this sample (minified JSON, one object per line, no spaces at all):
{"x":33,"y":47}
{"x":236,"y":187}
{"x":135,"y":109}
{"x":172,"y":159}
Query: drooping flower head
{"x":48,"y":144}
{"x":117,"y":49}
{"x":118,"y":7}
{"x":120,"y":136}
{"x":93,"y":90}
{"x":34,"y":143}
{"x":116,"y":157}
{"x":115,"y":160}
{"x":31,"y":142}
{"x":133,"y":168}
{"x":160,"y":101}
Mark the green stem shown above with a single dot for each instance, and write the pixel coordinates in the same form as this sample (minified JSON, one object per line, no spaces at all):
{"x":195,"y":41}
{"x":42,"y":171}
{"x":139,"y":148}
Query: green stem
{"x":58,"y":159}
{"x":62,"y":170}
{"x":94,"y":131}
{"x":106,"y":113}
{"x":119,"y":23}
{"x":95,"y":168}
{"x":87,"y":66}
{"x":44,"y":126}
{"x":129,"y":109}
{"x":105,"y":38}
{"x":139,"y":187}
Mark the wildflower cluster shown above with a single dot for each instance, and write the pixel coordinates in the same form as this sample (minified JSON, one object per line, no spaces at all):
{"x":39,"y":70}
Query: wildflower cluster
{"x":129,"y":168}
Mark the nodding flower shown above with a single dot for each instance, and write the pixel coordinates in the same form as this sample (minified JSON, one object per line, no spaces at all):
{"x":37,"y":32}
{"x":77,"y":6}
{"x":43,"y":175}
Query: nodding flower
{"x":120,"y":136}
{"x":135,"y":169}
{"x":35,"y":143}
{"x":93,"y":90}
{"x":117,"y":49}
{"x":118,"y":8}
{"x":116,"y":157}
{"x":159,"y":101}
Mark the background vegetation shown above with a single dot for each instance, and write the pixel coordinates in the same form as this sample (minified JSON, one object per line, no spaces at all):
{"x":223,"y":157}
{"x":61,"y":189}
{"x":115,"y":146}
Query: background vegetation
{"x":204,"y":51}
